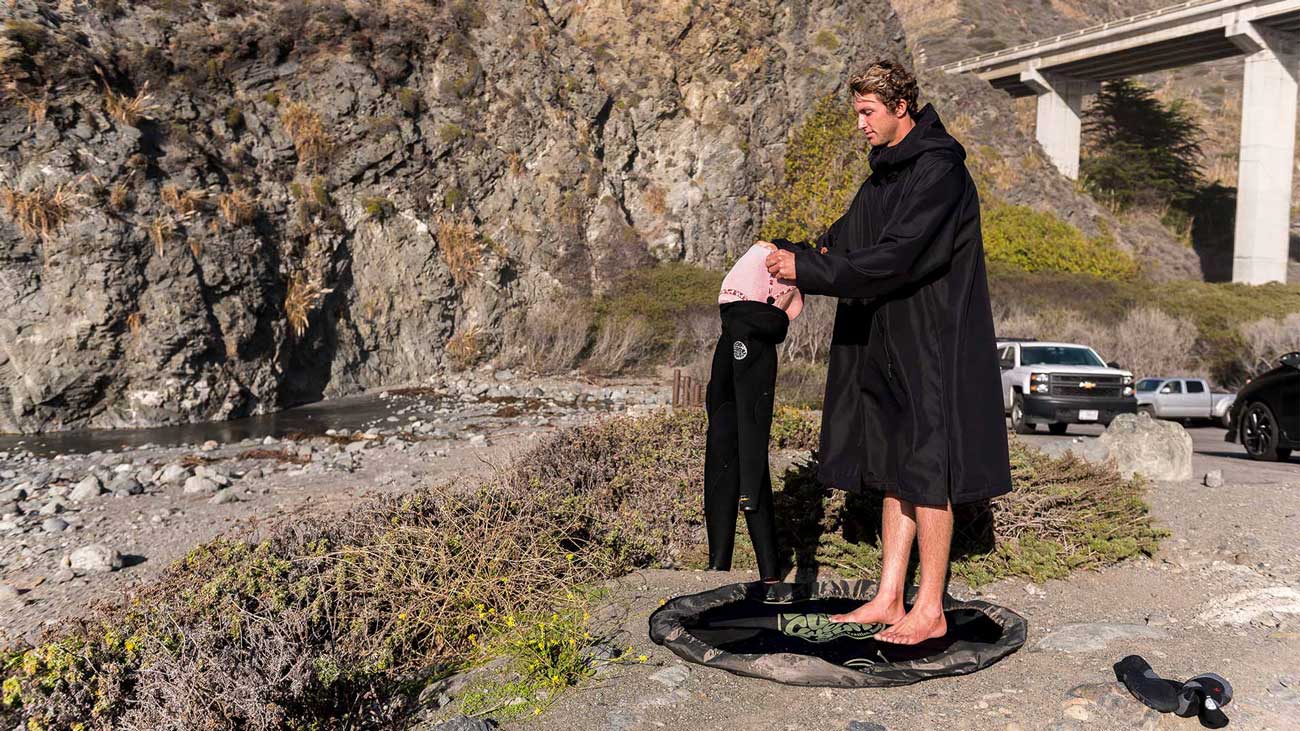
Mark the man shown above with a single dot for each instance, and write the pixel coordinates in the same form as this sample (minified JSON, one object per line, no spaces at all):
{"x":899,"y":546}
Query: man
{"x":913,"y":403}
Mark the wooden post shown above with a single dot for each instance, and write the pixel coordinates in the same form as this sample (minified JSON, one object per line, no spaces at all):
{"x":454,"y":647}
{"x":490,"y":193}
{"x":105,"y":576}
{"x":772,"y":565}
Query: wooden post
{"x":677,"y":385}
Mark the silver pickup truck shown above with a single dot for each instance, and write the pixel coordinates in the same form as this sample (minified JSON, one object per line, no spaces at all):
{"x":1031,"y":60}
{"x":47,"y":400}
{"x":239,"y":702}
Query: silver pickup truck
{"x":1183,"y":398}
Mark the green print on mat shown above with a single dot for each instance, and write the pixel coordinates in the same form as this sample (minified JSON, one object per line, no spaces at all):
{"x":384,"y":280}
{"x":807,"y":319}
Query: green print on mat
{"x":820,"y":628}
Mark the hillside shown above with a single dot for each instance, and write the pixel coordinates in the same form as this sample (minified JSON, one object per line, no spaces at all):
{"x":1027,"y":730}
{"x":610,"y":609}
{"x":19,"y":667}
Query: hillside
{"x":248,"y":205}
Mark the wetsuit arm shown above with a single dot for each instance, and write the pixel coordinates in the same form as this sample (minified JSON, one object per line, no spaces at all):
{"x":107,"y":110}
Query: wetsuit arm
{"x":915,"y":242}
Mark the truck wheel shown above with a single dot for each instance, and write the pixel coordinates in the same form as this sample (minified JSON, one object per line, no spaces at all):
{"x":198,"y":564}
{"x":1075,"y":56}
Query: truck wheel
{"x":1259,"y":433}
{"x":1148,"y":410}
{"x":1058,"y":428}
{"x":1018,"y":422}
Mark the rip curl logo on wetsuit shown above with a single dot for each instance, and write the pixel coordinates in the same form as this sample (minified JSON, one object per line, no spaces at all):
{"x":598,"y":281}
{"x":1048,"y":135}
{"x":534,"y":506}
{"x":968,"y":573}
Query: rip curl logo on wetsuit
{"x":739,"y":350}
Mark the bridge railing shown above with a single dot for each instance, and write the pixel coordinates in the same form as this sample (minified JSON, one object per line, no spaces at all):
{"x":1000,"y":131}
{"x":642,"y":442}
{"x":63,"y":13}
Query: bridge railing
{"x":1119,"y":23}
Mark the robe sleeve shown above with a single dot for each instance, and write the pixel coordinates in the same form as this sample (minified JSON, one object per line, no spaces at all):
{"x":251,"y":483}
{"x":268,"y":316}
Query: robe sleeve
{"x":914,"y":242}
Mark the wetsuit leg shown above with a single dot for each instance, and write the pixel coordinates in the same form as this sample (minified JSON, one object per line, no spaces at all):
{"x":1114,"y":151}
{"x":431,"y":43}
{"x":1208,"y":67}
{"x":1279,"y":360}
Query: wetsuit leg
{"x":761,"y":522}
{"x":755,"y":380}
{"x":721,"y":476}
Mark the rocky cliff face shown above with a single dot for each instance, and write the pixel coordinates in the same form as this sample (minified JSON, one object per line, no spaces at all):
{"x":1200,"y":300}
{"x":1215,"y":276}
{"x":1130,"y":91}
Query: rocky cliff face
{"x":221,"y":208}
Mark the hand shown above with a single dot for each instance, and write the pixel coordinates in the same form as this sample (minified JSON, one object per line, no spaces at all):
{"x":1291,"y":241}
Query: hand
{"x":780,"y":264}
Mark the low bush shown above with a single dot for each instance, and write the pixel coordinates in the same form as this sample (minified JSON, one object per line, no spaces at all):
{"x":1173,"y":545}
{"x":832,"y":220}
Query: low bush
{"x":1217,"y":312}
{"x":1040,"y":241}
{"x":1268,"y":339}
{"x":663,"y":296}
{"x":549,"y":337}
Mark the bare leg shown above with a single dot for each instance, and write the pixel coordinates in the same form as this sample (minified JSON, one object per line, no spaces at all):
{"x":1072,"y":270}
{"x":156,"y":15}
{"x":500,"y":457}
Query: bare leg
{"x":897,"y":529}
{"x":925,"y":619}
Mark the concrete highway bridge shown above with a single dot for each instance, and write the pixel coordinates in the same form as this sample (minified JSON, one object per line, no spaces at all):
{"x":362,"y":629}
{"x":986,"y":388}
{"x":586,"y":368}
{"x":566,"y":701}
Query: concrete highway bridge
{"x":1063,"y":69}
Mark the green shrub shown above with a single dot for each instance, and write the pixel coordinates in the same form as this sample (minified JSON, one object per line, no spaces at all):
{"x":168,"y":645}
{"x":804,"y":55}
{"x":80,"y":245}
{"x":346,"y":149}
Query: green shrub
{"x":379,"y":208}
{"x":825,"y":163}
{"x":1064,"y":514}
{"x":1039,"y":241}
{"x":409,"y":100}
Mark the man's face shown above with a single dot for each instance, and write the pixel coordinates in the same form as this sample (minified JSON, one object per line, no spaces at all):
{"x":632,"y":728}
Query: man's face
{"x":877,"y":121}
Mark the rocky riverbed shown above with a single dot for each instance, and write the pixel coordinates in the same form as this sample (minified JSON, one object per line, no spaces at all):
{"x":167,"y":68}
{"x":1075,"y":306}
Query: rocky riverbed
{"x":80,"y":527}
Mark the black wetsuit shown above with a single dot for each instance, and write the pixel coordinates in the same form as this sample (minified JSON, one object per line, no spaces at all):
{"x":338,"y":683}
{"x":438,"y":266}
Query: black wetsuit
{"x":739,"y":403}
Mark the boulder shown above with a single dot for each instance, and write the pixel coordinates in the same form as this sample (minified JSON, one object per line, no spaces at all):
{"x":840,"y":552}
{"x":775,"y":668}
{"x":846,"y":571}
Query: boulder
{"x":1140,"y":445}
{"x":96,"y":558}
{"x":89,"y":487}
{"x":200,"y":486}
{"x":174,"y":474}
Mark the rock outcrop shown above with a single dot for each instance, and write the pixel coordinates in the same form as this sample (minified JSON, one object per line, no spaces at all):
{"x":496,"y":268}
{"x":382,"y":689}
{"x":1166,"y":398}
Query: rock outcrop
{"x":223,"y":208}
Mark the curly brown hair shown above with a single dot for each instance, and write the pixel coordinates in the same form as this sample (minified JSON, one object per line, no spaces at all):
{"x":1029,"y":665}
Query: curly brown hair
{"x":888,"y":80}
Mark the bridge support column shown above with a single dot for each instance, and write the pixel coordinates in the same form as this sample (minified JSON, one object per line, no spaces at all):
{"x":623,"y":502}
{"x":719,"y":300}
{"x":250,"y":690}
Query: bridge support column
{"x":1060,"y":117}
{"x":1268,"y":117}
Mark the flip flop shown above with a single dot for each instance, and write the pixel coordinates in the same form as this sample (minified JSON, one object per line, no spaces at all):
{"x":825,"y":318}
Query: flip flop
{"x":1151,"y":689}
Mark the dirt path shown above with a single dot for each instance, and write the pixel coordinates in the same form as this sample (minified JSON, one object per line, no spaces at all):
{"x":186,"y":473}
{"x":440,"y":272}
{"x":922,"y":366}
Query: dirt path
{"x":1223,"y":595}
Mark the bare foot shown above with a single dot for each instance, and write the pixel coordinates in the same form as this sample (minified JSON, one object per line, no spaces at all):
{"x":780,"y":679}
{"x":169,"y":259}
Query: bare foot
{"x":881,"y":610}
{"x":917,"y":626}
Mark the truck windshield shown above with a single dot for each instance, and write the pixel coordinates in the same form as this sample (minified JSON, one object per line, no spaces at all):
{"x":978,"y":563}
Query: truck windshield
{"x":1059,"y":355}
{"x":1148,"y":384}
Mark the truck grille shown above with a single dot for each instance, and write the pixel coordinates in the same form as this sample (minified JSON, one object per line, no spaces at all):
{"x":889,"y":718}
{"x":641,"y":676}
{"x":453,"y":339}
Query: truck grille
{"x":1063,"y":384}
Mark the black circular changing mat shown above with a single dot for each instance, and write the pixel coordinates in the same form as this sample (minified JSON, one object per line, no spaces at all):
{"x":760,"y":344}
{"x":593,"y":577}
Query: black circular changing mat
{"x":782,"y":632}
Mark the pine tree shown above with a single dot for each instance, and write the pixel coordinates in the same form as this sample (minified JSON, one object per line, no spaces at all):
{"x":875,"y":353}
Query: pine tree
{"x":1139,"y":150}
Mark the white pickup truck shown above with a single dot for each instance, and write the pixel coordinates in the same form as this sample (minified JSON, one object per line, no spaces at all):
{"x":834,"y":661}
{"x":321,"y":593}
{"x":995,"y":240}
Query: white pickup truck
{"x":1059,"y":384}
{"x":1183,"y":398}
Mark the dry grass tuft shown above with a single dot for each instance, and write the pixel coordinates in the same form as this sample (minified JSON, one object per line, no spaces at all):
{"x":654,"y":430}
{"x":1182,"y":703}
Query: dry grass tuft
{"x":129,"y":110}
{"x":119,"y":197}
{"x":183,"y":202}
{"x":461,"y":247}
{"x":40,"y":212}
{"x":161,"y":229}
{"x":465,"y":348}
{"x":304,"y":126}
{"x":134,"y":324}
{"x":620,"y":344}
{"x":301,"y":299}
{"x":238,"y":207}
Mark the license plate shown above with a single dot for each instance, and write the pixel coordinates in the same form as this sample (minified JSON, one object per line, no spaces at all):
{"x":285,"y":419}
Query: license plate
{"x":1087,"y":414}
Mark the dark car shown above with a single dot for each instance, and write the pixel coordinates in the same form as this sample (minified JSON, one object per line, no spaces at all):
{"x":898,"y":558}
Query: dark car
{"x":1266,"y":416}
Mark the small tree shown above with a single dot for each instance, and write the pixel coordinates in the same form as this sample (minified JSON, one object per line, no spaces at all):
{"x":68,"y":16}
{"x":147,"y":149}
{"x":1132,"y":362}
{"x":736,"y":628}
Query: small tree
{"x":825,"y":162}
{"x":1140,"y":151}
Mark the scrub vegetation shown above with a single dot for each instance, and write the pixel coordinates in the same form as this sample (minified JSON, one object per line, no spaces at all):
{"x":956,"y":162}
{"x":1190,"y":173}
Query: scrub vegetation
{"x":1033,"y":241}
{"x":1233,"y":326}
{"x":329,"y":623}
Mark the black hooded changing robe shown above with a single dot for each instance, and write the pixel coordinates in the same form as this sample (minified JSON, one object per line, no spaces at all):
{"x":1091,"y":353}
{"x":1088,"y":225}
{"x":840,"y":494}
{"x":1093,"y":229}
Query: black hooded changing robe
{"x":913,"y":394}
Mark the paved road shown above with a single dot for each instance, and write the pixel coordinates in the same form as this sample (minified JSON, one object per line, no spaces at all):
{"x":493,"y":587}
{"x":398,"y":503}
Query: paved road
{"x":1210,"y":453}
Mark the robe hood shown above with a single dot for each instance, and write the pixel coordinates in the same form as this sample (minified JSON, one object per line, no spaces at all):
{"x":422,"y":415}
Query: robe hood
{"x":928,"y":135}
